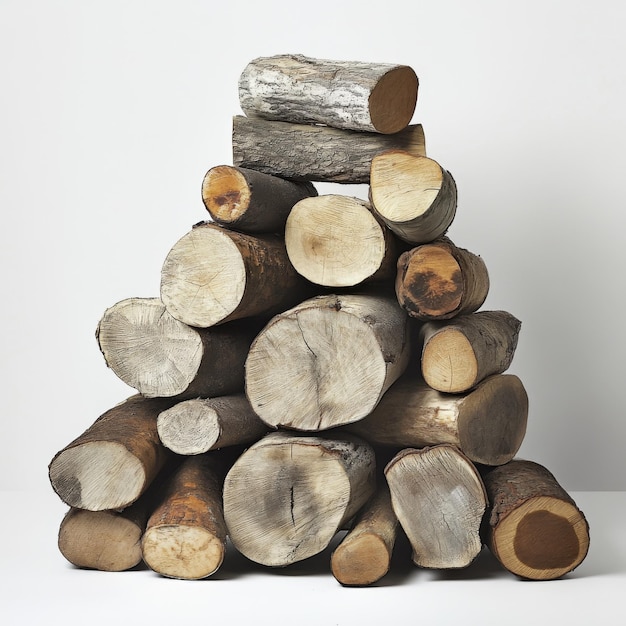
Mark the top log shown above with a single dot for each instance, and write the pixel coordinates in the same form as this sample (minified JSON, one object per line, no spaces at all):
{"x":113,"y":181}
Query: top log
{"x":354,"y":95}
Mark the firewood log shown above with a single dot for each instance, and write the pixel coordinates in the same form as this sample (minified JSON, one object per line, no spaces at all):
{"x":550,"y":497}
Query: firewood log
{"x":213,"y":275}
{"x":439,"y":280}
{"x":287,"y":495}
{"x":327,"y":361}
{"x":457,"y":354}
{"x":533,"y":527}
{"x":161,"y":356}
{"x":315,"y":153}
{"x":413,"y":195}
{"x":487,"y":424}
{"x":364,"y":555}
{"x":440,"y":500}
{"x":112,"y":463}
{"x":374,"y":97}
{"x":249,"y":201}
{"x":186,"y":534}
{"x":336,"y":241}
{"x":198,"y":425}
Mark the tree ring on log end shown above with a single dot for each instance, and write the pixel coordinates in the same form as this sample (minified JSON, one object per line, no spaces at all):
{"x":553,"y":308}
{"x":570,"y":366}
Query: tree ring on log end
{"x":393,"y":99}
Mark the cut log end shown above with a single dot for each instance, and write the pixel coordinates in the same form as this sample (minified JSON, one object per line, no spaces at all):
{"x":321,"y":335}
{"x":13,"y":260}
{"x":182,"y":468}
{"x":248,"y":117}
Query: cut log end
{"x":393,"y":99}
{"x":189,"y":427}
{"x":361,"y":562}
{"x":225,"y":193}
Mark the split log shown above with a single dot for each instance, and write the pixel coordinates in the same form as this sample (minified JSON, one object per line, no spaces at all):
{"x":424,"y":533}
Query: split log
{"x":161,"y":356}
{"x":413,"y":195}
{"x":315,"y":153}
{"x":112,"y":463}
{"x":534,"y":528}
{"x":373,"y":97}
{"x":336,"y":241}
{"x":287,"y":495}
{"x":198,"y":425}
{"x":457,"y":354}
{"x":213,"y":275}
{"x":440,"y":500}
{"x":327,"y":361}
{"x":439,"y":280}
{"x":186,"y":534}
{"x":249,"y":201}
{"x":487,"y":424}
{"x":364,"y":555}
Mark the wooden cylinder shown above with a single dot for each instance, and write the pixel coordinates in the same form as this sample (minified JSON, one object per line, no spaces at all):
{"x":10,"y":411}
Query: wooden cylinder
{"x":374,"y":97}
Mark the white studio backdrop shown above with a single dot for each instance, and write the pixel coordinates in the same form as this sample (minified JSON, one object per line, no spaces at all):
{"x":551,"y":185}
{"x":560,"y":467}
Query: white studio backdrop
{"x":112,"y":112}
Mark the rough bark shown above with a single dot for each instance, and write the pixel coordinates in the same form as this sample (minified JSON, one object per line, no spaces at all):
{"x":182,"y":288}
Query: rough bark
{"x":249,"y":201}
{"x":439,"y":499}
{"x":286,"y":497}
{"x":327,"y":361}
{"x":457,"y":354}
{"x":413,"y":195}
{"x":336,"y":241}
{"x":315,"y":153}
{"x":534,"y":528}
{"x":374,"y":97}
{"x":439,"y":280}
{"x":487,"y":424}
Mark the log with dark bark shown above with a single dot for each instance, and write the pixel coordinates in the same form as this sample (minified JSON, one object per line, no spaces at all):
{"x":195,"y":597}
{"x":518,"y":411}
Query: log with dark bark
{"x":534,"y":528}
{"x":374,"y":97}
{"x":287,"y":495}
{"x":249,"y":201}
{"x":327,"y":361}
{"x":457,"y":354}
{"x":439,"y":499}
{"x":439,"y":280}
{"x":213,"y":275}
{"x":487,"y":424}
{"x":161,"y":356}
{"x":112,"y":463}
{"x":337,"y":241}
{"x":315,"y":153}
{"x":413,"y":195}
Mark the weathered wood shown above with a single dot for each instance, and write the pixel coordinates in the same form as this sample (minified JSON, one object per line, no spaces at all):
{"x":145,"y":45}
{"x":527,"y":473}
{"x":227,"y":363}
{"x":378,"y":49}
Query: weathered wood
{"x":439,"y":280}
{"x":249,"y":201}
{"x":198,"y":425}
{"x":112,"y":463}
{"x":315,"y":153}
{"x":186,"y":534}
{"x":161,"y":356}
{"x":337,"y":241}
{"x":213,"y":275}
{"x":287,"y":495}
{"x":327,"y":361}
{"x":457,"y":354}
{"x":534,"y":528}
{"x":439,"y":499}
{"x":364,"y":555}
{"x":487,"y":424}
{"x":374,"y":97}
{"x":413,"y":195}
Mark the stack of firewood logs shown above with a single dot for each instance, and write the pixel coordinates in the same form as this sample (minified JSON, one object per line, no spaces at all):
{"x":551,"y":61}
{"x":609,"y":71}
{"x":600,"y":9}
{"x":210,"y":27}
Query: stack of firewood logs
{"x":316,"y":364}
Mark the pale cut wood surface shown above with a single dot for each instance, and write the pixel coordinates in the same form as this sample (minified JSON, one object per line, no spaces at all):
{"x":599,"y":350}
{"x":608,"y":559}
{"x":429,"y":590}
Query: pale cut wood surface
{"x":356,"y":95}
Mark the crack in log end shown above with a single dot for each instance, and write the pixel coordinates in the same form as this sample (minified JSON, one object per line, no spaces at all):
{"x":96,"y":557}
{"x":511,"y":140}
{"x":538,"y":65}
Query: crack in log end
{"x":291,"y":505}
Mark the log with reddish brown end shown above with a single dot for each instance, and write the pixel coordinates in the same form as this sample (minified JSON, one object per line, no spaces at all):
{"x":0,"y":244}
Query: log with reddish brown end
{"x":315,"y":152}
{"x":439,"y":280}
{"x":112,"y":463}
{"x":458,"y":353}
{"x":185,"y":536}
{"x":213,"y":275}
{"x":356,"y":95}
{"x":439,"y":499}
{"x":287,"y":496}
{"x":364,"y":555}
{"x":534,"y":528}
{"x":249,"y":201}
{"x":487,"y":424}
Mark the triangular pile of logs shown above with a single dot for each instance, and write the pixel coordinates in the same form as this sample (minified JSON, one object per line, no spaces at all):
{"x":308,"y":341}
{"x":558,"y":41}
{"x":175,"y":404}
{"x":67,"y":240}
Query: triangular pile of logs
{"x":316,"y":364}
